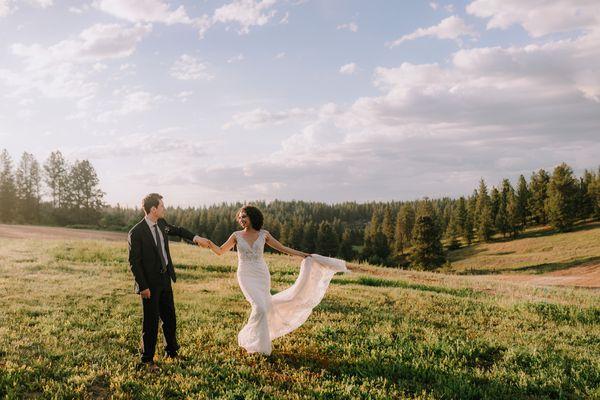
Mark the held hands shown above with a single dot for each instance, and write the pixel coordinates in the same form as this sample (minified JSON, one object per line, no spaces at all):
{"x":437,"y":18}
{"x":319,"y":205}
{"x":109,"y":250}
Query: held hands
{"x":200,"y":241}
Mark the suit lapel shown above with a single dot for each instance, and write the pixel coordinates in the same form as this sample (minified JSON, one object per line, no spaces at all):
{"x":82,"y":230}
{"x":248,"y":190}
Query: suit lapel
{"x":149,"y":235}
{"x":165,"y":239}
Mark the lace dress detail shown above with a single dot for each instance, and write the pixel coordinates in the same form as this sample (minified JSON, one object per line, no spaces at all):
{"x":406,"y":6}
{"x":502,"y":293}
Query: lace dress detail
{"x":275,"y":316}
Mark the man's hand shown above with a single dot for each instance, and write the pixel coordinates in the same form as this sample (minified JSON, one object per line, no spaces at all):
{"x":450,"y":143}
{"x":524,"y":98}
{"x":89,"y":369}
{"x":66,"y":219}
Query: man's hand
{"x":200,"y":241}
{"x":145,"y":294}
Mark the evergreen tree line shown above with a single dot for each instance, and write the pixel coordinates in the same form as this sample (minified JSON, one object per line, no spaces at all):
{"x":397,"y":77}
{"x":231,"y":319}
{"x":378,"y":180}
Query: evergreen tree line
{"x":411,"y":233}
{"x":414,"y":233}
{"x":72,"y":191}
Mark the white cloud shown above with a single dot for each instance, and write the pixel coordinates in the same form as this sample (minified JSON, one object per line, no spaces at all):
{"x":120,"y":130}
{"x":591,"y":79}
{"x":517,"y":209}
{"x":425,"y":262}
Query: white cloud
{"x":144,"y":11}
{"x":449,"y":8}
{"x":352,"y":27}
{"x":99,"y":67}
{"x":185,"y":95}
{"x":435,"y":129}
{"x":279,"y":56}
{"x":260,"y":117}
{"x":144,"y":144}
{"x":433,"y":5}
{"x":190,"y":68}
{"x":538,"y":17}
{"x":238,"y":58}
{"x":57,"y":70}
{"x":246,"y":13}
{"x":79,"y":10}
{"x":138,"y":11}
{"x":452,"y":27}
{"x":130,"y":101}
{"x":99,"y":42}
{"x":5,"y":8}
{"x":285,"y":19}
{"x":42,"y":3}
{"x":348,"y":69}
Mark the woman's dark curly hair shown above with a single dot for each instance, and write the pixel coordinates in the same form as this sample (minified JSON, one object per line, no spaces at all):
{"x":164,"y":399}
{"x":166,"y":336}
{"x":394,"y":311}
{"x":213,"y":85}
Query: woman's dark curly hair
{"x":256,"y":217}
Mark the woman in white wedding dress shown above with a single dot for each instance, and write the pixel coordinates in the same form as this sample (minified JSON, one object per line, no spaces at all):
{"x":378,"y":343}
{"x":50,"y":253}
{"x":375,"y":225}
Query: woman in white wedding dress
{"x":277,"y":315}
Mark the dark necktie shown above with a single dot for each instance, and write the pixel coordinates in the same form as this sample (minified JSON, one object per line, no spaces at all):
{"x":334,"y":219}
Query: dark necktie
{"x":161,"y":255}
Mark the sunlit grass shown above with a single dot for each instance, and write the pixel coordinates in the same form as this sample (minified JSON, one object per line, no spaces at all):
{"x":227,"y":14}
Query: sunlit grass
{"x":538,"y":251}
{"x":70,"y":328}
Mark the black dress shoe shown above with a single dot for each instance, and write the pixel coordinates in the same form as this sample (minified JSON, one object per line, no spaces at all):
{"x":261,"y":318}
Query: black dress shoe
{"x":147,"y":366}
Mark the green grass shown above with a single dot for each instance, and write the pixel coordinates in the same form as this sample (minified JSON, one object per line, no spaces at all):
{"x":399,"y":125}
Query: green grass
{"x":70,"y":328}
{"x":537,"y":251}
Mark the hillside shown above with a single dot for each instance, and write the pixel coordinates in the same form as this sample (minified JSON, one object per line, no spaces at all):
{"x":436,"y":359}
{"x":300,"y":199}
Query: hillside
{"x":540,"y":256}
{"x":69,"y":328}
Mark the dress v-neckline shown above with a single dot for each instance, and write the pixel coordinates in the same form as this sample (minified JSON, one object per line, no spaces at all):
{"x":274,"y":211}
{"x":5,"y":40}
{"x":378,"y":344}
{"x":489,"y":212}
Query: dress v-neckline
{"x":253,"y":243}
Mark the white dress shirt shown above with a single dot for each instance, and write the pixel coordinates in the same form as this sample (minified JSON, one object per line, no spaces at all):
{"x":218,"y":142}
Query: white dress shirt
{"x":161,"y":238}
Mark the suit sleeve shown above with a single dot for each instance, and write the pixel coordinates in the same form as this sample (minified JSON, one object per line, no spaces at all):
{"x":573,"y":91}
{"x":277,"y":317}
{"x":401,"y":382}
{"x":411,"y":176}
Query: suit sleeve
{"x":135,"y":259}
{"x":178,"y":231}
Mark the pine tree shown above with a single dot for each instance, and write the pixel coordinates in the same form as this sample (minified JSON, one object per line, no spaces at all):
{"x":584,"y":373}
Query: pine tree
{"x":56,"y":177}
{"x":452,"y":231}
{"x":471,"y":217}
{"x":538,"y":190}
{"x":8,"y":192}
{"x":399,"y":238}
{"x":495,"y":202}
{"x":483,"y":213}
{"x":513,"y":214}
{"x":562,"y":196}
{"x":502,"y":223}
{"x":387,"y":226}
{"x":296,"y":233}
{"x":86,"y":195}
{"x":522,"y":199}
{"x":309,"y":237}
{"x":406,"y":214}
{"x":427,"y":252}
{"x":28,"y":183}
{"x":585,"y":205}
{"x":594,"y":193}
{"x":220,"y":233}
{"x":461,"y":216}
{"x":346,"y":252}
{"x":327,"y":241}
{"x":374,"y":226}
{"x":371,"y":231}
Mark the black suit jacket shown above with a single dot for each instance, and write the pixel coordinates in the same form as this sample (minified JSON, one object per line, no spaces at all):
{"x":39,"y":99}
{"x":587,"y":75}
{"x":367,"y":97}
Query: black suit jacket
{"x":144,"y":260}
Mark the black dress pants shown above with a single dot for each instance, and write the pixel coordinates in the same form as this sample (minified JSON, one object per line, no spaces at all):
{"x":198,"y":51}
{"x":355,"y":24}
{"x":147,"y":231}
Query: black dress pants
{"x":160,"y":306}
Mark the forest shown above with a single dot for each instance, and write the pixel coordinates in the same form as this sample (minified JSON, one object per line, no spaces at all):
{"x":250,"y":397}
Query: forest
{"x":410,"y":234}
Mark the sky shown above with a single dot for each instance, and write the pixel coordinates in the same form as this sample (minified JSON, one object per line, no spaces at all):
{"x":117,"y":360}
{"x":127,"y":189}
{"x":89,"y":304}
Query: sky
{"x":317,"y":100}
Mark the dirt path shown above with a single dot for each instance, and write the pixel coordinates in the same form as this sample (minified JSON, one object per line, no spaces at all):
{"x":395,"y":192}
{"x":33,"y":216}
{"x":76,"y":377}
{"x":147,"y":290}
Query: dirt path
{"x":47,"y":232}
{"x":587,"y":275}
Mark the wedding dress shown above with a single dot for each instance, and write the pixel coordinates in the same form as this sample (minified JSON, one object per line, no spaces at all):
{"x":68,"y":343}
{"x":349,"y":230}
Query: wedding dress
{"x":277,"y":315}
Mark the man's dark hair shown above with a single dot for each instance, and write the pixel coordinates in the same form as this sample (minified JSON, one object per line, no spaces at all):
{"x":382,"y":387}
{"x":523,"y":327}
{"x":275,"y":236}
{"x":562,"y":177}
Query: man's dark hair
{"x":256,"y":217}
{"x":151,"y":200}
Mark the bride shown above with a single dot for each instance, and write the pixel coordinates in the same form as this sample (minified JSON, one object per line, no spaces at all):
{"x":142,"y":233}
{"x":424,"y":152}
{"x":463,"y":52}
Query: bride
{"x":277,"y":315}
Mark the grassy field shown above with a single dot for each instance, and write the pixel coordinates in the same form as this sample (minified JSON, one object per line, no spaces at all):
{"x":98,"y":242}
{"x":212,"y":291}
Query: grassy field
{"x":537,"y":251}
{"x":70,"y":328}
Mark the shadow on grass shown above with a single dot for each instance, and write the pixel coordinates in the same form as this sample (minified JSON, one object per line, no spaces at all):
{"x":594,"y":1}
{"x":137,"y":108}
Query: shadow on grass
{"x":535,"y":269}
{"x":415,"y":379}
{"x":472,"y":250}
{"x":548,"y":231}
{"x":378,"y":282}
{"x":465,"y":252}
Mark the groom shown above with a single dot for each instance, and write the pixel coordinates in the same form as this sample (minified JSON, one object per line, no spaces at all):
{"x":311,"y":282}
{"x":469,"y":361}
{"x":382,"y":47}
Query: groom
{"x":152,"y":267}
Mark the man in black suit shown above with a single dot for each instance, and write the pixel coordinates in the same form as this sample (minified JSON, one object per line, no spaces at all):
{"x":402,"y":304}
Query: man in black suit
{"x":152,"y":267}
